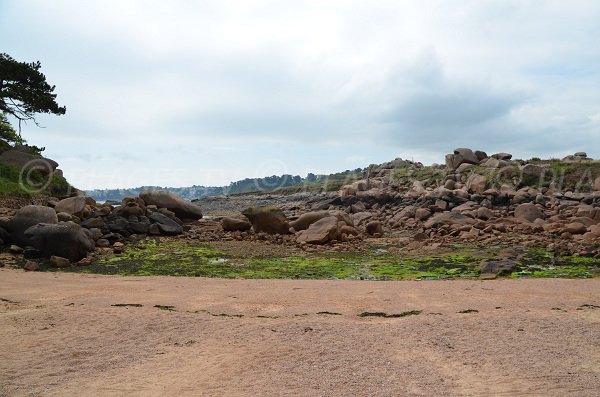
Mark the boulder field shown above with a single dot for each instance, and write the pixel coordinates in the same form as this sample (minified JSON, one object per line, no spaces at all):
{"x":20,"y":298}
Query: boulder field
{"x":75,"y":226}
{"x":473,"y":198}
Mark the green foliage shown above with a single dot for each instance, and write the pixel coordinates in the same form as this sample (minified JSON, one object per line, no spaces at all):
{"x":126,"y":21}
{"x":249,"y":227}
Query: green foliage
{"x":8,"y":133}
{"x":428,"y":175}
{"x":11,"y":183}
{"x":24,"y":91}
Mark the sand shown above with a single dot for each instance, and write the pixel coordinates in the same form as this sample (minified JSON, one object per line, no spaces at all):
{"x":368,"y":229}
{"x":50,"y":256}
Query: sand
{"x":60,"y":335}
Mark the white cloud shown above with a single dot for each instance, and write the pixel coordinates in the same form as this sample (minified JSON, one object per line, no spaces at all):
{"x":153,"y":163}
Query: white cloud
{"x":217,"y":88}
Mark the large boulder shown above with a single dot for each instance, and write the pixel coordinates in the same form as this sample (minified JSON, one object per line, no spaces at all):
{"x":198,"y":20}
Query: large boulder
{"x":493,"y":162}
{"x":22,"y":160}
{"x":66,"y":239}
{"x":267,"y":219}
{"x":320,"y":232}
{"x":234,"y":224}
{"x":80,"y":206}
{"x":164,"y":199}
{"x":165,"y":224}
{"x":131,"y":206}
{"x":528,"y":212}
{"x":460,"y":156}
{"x":502,"y":156}
{"x":476,"y":183}
{"x":305,"y":220}
{"x":28,"y":216}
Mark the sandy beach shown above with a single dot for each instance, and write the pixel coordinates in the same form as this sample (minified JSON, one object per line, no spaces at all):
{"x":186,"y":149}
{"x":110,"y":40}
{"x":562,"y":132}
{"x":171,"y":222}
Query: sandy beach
{"x":61,"y":334}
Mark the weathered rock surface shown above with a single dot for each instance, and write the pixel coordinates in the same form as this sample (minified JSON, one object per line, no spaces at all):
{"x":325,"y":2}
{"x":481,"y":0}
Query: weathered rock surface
{"x":320,"y":232}
{"x":234,"y":224}
{"x":267,"y":219}
{"x":165,"y":224}
{"x":28,"y":216}
{"x":307,"y":219}
{"x":80,"y":206}
{"x":182,"y":208}
{"x":529,"y":212}
{"x":65,"y":239}
{"x":22,"y":160}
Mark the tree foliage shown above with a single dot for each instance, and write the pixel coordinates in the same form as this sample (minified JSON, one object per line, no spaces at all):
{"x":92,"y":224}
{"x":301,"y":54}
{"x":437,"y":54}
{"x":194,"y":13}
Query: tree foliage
{"x":24,"y":91}
{"x":8,"y":133}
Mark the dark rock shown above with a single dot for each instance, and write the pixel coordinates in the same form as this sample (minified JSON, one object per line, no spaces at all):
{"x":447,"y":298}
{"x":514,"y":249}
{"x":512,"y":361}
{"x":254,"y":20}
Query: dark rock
{"x":32,"y":253}
{"x":93,"y":223}
{"x":102,"y":243}
{"x":502,"y":156}
{"x":165,"y":224}
{"x":480,"y":155}
{"x":94,"y":233}
{"x":497,"y":267}
{"x":117,"y":224}
{"x":28,"y":216}
{"x":112,"y":237}
{"x":4,"y":235}
{"x":138,"y":227}
{"x":64,"y":239}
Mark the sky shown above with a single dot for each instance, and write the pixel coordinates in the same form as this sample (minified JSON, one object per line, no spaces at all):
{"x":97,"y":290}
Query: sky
{"x":179,"y":93}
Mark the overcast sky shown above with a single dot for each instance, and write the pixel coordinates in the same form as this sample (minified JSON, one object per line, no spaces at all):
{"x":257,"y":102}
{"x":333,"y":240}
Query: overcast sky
{"x":175,"y":93}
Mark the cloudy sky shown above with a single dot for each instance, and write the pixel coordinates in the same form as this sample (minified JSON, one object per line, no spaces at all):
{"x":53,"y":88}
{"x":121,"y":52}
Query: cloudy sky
{"x":175,"y":93}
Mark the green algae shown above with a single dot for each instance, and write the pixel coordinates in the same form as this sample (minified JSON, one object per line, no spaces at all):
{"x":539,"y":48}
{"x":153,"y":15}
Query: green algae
{"x":188,"y":258}
{"x":540,"y":263}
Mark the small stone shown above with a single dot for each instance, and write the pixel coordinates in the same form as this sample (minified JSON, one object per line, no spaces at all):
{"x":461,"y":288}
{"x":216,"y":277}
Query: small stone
{"x":31,"y":266}
{"x":118,"y":247}
{"x":102,"y":243}
{"x":15,"y":249}
{"x":84,"y":262}
{"x":60,"y":262}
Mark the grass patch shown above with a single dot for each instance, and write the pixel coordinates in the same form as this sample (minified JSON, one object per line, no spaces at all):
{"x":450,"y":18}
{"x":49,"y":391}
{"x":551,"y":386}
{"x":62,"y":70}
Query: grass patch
{"x":13,"y":184}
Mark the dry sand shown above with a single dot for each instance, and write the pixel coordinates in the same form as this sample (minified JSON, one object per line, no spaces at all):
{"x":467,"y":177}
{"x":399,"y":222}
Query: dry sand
{"x":59,"y":335}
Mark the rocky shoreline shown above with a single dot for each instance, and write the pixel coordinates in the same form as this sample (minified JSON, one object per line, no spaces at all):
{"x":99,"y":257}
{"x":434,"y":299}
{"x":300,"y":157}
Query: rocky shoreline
{"x":472,"y":199}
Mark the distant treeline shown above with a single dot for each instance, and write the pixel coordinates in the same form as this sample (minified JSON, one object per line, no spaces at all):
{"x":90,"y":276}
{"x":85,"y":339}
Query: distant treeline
{"x":248,"y":185}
